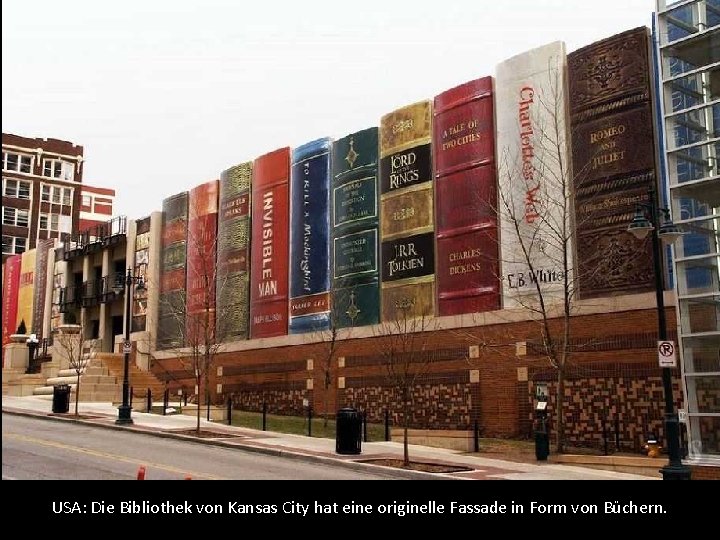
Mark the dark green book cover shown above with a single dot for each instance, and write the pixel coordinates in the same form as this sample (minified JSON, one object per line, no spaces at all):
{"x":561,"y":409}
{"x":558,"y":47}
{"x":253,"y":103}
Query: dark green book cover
{"x":354,"y":222}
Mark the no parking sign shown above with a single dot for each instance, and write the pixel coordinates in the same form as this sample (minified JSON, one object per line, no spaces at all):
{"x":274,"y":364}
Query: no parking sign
{"x":666,"y":354}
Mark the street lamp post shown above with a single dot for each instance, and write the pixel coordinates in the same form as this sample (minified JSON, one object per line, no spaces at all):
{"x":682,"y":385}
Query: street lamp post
{"x":669,"y":233}
{"x":125,"y":409}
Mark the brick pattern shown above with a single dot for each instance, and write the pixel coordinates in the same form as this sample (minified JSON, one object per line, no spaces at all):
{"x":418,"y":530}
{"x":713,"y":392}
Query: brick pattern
{"x":596,"y":394}
{"x":436,"y":405}
{"x":708,"y":394}
{"x":287,"y":400}
{"x":277,"y":367}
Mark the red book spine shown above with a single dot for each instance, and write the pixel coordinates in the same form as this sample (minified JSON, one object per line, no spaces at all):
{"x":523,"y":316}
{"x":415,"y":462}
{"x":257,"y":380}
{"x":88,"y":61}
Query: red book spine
{"x":201,"y":267}
{"x":269,"y":245}
{"x":467,"y":270}
{"x":11,"y":286}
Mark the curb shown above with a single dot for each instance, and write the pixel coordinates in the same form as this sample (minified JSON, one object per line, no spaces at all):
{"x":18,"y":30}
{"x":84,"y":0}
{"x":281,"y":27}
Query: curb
{"x":325,"y":460}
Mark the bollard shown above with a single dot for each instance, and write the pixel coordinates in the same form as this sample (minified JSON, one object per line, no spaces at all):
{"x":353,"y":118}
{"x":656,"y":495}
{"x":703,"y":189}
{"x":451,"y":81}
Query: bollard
{"x":184,"y":398}
{"x":364,"y":421}
{"x":141,"y":473}
{"x":130,"y":397}
{"x":605,"y":436}
{"x":149,"y":400}
{"x":387,"y":425}
{"x":309,"y":421}
{"x":617,"y":433}
{"x":207,"y":407}
{"x":166,"y":401}
{"x":229,"y":411}
{"x":476,"y":437}
{"x":264,"y":416}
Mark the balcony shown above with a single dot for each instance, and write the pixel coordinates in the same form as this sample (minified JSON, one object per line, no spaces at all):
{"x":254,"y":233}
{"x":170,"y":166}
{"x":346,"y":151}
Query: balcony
{"x":112,"y":288}
{"x":96,"y":238}
{"x":70,"y":298}
{"x":91,"y":293}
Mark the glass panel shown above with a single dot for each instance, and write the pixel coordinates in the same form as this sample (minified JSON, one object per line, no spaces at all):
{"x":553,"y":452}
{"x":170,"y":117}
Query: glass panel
{"x":12,"y":162}
{"x":10,"y":188}
{"x":709,"y":431}
{"x":681,"y":22}
{"x":690,"y":127}
{"x":43,"y":222}
{"x":66,"y":196}
{"x":20,"y":244}
{"x":7,"y":243}
{"x":56,"y":195}
{"x":23,"y":190}
{"x":702,"y":355}
{"x":45,"y":193}
{"x":22,"y":218}
{"x":8,"y":216}
{"x":692,"y":163}
{"x":25,"y":164}
{"x":700,"y":238}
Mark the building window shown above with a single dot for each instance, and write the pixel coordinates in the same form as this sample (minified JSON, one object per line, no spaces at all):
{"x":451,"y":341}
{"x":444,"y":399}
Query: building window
{"x":12,"y":245}
{"x":43,"y":222}
{"x":87,"y":201}
{"x":16,"y":162}
{"x":15,"y":217}
{"x":56,"y":193}
{"x":56,"y":168}
{"x":67,"y":196}
{"x":17,"y":189}
{"x":45,"y":196}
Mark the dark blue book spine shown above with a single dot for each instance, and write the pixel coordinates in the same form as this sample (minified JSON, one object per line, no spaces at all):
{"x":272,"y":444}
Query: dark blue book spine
{"x":354,"y":202}
{"x":310,"y":237}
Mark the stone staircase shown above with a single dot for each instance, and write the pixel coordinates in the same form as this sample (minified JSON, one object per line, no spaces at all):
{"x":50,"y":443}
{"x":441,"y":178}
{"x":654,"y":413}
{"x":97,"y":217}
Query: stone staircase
{"x":140,"y":380}
{"x":96,"y":382}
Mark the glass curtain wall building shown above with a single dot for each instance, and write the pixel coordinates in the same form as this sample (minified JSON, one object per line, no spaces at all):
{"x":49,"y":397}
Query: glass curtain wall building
{"x":688,"y":41}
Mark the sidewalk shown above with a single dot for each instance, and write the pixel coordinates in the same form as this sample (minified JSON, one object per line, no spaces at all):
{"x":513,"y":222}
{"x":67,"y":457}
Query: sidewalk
{"x":314,"y":448}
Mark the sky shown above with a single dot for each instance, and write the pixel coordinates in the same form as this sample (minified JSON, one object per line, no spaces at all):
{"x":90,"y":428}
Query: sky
{"x":165,"y":95}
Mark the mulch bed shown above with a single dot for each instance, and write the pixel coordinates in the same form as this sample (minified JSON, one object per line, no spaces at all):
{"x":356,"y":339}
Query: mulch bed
{"x":78,"y":417}
{"x":205,"y":434}
{"x":418,"y":466}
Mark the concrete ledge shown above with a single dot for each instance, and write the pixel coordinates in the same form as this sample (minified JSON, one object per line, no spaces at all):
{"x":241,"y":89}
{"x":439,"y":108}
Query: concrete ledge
{"x":217,"y":414}
{"x":460,"y":440}
{"x":629,"y":464}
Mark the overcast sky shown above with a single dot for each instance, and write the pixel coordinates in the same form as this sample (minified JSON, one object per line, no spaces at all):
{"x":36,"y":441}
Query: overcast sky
{"x":164,"y":95}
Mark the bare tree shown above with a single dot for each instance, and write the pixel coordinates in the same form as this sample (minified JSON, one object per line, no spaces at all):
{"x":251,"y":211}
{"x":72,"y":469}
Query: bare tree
{"x":192,"y":312}
{"x":71,"y":347}
{"x":536,"y":210}
{"x":402,"y":348}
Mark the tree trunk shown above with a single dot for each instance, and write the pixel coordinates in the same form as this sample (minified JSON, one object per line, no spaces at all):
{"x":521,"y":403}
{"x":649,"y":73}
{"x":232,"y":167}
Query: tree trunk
{"x":406,"y":422}
{"x":77,"y":394}
{"x":197,"y":425}
{"x":560,"y":429}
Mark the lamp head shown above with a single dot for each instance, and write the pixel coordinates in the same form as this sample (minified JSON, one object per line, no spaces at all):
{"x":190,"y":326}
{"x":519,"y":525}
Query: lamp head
{"x":669,"y":232}
{"x":640,"y":226}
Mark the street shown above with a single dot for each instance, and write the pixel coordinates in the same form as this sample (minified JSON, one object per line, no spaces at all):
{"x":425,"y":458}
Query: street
{"x":42,"y":450}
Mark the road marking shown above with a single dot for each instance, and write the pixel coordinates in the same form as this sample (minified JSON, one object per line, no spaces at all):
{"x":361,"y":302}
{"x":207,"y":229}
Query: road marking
{"x":107,"y":455}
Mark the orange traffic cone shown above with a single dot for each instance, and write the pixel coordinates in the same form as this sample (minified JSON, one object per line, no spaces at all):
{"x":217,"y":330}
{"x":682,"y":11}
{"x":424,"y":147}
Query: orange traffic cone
{"x":141,"y":473}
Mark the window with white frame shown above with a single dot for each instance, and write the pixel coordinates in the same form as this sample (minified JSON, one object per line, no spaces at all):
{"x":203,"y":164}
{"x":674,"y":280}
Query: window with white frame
{"x":67,"y":196}
{"x":43,"y":222}
{"x":18,"y":189}
{"x":57,"y":168}
{"x":12,"y":245}
{"x":45,"y":193}
{"x":87,"y":201}
{"x":15,"y":162}
{"x":15,"y":217}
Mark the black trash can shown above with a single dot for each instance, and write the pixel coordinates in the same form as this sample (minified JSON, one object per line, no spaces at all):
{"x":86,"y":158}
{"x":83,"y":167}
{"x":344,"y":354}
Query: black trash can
{"x":348,"y":431}
{"x":61,"y":398}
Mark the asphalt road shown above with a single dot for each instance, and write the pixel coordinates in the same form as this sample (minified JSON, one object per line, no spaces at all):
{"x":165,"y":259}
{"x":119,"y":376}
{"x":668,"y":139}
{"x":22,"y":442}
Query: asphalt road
{"x":35,"y":449}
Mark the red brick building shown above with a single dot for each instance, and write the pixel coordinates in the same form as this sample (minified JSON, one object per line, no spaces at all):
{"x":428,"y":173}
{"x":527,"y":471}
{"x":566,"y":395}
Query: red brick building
{"x":41,"y":189}
{"x":96,"y":206}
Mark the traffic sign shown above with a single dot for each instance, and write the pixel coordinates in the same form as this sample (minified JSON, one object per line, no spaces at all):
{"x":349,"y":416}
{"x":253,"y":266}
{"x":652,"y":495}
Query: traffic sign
{"x":667,"y":356}
{"x":126,"y":346}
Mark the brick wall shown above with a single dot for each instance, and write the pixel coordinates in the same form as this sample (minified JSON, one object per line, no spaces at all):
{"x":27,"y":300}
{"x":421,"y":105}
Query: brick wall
{"x":598,"y":394}
{"x":499,"y":396}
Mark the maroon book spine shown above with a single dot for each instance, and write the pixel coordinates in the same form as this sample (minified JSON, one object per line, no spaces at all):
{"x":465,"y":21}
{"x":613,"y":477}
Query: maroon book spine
{"x":467,"y":270}
{"x":201,"y":264}
{"x":269,"y":245}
